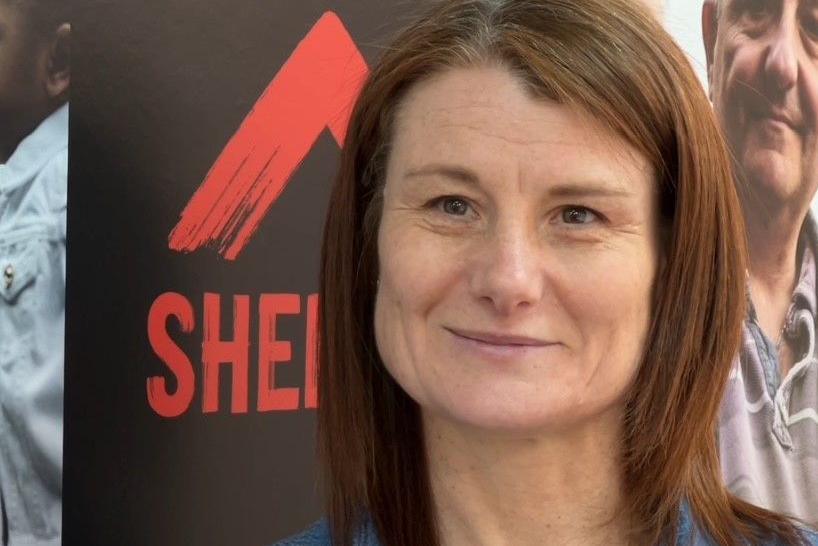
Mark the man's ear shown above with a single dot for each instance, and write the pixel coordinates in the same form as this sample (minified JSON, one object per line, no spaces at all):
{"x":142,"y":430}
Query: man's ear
{"x":58,"y":80}
{"x":710,"y":28}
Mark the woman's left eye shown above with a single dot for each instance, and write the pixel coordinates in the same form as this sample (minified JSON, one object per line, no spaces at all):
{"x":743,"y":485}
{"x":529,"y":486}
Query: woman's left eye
{"x":578,"y":215}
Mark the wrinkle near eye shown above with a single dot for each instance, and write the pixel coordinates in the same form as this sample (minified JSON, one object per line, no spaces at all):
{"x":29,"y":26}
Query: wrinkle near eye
{"x":600,"y":238}
{"x":433,"y":221}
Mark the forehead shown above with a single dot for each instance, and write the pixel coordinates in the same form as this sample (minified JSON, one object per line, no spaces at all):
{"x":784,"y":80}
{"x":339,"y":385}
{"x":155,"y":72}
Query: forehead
{"x":14,"y":8}
{"x":770,"y":4}
{"x":31,"y":18}
{"x":485,"y":118}
{"x":14,"y":18}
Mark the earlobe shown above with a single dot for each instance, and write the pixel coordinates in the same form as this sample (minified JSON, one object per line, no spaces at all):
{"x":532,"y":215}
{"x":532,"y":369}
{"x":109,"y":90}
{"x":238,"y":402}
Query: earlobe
{"x":710,"y":24}
{"x":58,"y":81}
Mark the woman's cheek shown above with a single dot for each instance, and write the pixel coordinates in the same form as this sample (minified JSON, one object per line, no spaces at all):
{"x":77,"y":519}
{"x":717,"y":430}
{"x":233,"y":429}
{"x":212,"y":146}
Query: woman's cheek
{"x":611,"y":288}
{"x":422,"y":263}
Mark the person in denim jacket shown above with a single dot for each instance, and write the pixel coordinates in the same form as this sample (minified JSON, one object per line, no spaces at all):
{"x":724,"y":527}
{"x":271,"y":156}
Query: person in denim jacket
{"x":34,"y":84}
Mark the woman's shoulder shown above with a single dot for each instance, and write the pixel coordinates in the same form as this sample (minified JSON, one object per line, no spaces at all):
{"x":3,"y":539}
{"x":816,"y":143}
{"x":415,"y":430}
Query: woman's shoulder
{"x":691,"y":533}
{"x":702,"y":539}
{"x":811,"y":536}
{"x":318,"y":534}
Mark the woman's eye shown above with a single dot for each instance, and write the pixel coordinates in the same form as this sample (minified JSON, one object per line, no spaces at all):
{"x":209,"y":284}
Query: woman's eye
{"x":454,"y":206}
{"x":578,"y":215}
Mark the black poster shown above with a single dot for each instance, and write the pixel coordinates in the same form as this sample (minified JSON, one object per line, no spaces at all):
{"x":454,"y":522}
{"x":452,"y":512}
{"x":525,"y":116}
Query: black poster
{"x":204,"y":137}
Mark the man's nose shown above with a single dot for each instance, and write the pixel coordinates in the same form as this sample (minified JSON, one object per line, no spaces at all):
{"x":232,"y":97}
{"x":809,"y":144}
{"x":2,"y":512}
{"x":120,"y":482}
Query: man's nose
{"x":781,"y":64}
{"x":508,"y":275}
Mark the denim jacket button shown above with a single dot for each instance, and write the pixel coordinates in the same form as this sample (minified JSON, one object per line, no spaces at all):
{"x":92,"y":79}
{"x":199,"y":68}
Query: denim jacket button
{"x":8,"y":275}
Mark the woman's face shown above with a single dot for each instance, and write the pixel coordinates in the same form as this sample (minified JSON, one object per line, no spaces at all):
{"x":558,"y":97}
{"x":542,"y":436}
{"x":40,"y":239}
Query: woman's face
{"x":518,"y":248}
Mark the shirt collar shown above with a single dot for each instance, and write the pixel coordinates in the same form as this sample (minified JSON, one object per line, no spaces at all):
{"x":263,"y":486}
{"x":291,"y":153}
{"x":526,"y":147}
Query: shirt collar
{"x":50,"y":137}
{"x":804,"y":293}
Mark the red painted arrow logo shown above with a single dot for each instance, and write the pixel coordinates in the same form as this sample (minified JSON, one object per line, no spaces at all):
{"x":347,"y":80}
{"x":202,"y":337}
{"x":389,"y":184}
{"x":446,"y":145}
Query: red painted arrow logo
{"x":315,"y":89}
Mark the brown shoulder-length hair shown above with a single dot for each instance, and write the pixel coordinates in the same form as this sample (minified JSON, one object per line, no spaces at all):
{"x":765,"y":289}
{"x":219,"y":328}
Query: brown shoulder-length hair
{"x":612,"y":60}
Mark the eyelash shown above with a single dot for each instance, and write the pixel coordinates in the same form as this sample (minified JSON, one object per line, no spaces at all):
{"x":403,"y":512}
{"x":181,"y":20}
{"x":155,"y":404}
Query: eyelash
{"x":440,"y":202}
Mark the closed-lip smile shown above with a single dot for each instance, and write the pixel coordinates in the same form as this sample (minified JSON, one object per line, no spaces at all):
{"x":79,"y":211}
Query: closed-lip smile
{"x":499,"y":339}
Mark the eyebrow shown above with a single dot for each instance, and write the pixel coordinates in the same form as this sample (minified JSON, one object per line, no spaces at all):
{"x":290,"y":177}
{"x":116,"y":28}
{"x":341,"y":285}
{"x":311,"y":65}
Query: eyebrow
{"x":458,"y":173}
{"x":587,"y":189}
{"x":454,"y":172}
{"x":738,"y":6}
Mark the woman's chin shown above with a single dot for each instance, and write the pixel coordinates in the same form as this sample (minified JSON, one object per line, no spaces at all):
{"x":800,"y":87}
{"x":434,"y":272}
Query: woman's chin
{"x":510,"y":419}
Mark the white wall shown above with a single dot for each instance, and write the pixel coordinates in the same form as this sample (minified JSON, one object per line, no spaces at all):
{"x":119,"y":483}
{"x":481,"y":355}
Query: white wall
{"x":683,"y":21}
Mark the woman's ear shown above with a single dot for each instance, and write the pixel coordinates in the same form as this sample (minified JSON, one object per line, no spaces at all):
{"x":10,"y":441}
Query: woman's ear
{"x":58,"y":77}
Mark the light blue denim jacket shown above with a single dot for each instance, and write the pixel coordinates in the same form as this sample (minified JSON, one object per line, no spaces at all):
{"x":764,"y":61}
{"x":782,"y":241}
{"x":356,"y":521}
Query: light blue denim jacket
{"x":33,"y":186}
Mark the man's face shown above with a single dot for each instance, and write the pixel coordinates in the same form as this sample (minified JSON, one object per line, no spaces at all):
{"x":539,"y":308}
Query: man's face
{"x":23,"y":56}
{"x":764,"y":85}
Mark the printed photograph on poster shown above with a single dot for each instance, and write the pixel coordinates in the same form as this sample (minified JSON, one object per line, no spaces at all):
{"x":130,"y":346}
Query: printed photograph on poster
{"x":757,"y":62}
{"x":682,"y":20}
{"x":35,"y":80}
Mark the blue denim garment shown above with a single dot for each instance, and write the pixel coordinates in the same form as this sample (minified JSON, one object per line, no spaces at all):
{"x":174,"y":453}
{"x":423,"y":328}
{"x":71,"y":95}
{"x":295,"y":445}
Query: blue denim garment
{"x":33,"y":186}
{"x":318,"y":535}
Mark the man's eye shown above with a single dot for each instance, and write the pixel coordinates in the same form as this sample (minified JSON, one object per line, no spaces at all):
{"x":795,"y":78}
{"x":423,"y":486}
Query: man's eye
{"x":456,"y":206}
{"x":809,"y":22}
{"x":755,"y":11}
{"x":578,"y":215}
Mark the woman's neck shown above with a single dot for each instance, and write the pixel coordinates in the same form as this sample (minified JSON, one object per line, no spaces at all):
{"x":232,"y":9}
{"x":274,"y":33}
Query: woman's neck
{"x":547,"y":488}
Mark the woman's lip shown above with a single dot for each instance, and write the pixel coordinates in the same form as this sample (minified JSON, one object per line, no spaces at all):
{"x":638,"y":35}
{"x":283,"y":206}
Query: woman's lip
{"x":506,"y":340}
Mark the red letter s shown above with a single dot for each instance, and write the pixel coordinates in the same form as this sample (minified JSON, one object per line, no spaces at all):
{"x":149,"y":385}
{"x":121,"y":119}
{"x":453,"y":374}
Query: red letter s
{"x":166,"y":404}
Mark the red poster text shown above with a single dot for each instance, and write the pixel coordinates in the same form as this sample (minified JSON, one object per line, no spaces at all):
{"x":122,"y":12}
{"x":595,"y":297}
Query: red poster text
{"x":228,"y":352}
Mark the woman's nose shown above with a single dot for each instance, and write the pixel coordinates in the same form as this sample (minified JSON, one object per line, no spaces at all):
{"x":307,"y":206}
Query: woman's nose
{"x":508,"y":274}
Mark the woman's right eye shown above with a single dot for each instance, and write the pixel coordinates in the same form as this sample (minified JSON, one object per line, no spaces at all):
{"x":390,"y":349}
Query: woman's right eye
{"x":453,"y":205}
